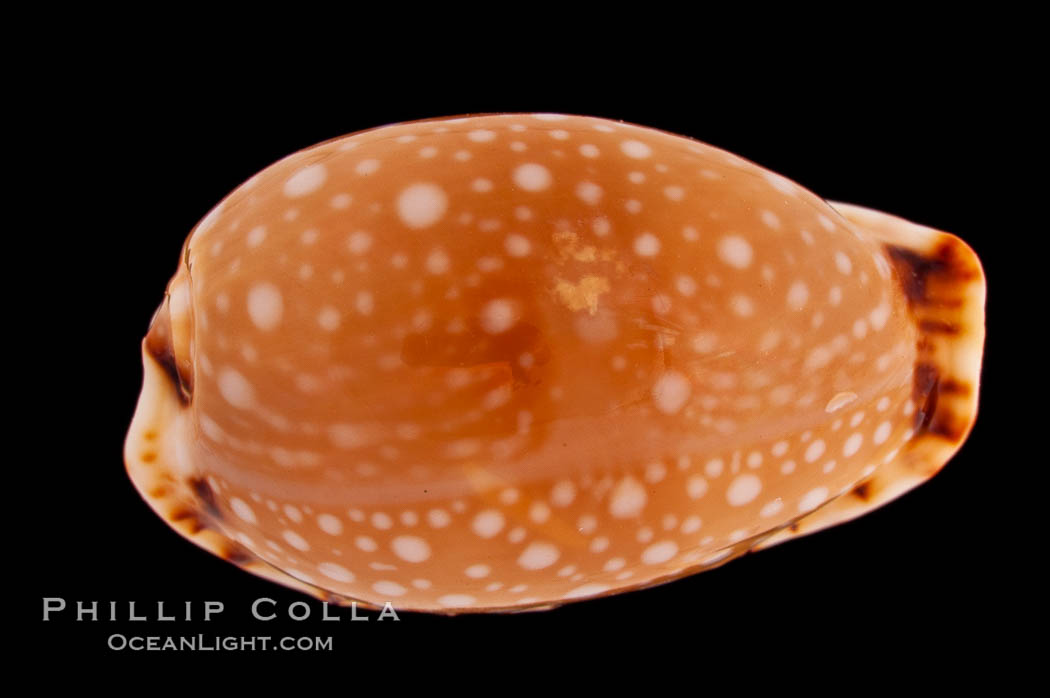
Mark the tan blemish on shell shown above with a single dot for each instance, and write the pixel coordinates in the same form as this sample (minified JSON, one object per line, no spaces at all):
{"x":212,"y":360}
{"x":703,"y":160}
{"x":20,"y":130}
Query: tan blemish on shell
{"x":569,"y":246}
{"x":582,"y":294}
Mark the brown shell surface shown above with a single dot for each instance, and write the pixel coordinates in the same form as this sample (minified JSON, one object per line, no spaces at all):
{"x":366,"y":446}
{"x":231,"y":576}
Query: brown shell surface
{"x":503,"y":362}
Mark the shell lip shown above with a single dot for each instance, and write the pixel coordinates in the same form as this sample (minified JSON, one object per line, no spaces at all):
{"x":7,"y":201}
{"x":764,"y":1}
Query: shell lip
{"x":172,"y":488}
{"x":180,"y":498}
{"x":944,"y":283}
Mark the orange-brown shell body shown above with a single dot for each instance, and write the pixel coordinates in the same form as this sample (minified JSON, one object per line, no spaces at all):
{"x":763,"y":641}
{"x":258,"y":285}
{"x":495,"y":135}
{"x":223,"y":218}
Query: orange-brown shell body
{"x":506,"y":361}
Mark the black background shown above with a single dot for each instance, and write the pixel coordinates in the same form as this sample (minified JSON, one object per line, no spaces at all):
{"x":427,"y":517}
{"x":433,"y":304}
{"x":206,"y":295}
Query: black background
{"x":135,"y":154}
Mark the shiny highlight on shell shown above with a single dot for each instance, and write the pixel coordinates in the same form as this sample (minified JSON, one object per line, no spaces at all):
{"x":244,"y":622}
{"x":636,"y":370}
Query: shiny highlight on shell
{"x":504,"y":362}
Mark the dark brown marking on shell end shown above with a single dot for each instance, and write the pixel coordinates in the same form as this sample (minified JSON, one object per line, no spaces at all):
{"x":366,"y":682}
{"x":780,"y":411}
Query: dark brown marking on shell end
{"x":190,"y":517}
{"x":160,"y":347}
{"x":946,"y":425}
{"x":946,"y":266}
{"x":925,"y":390}
{"x":206,"y":495}
{"x":863,"y":491}
{"x":238,"y":555}
{"x":932,"y":283}
{"x":938,"y":327}
{"x":932,"y":417}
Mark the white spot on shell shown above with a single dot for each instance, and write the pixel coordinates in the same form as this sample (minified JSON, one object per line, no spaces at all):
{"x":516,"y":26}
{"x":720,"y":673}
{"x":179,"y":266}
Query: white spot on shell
{"x":852,"y":445}
{"x":532,"y":177}
{"x":636,"y":149}
{"x":647,"y":245}
{"x":517,"y":245}
{"x":359,"y":242}
{"x":771,"y":220}
{"x":265,"y":306}
{"x":346,"y":436}
{"x":563,"y":493}
{"x":812,"y":499}
{"x":388,"y":588}
{"x":438,"y":518}
{"x":306,"y":181}
{"x":685,"y":285}
{"x":295,"y":540}
{"x":411,"y":548}
{"x":367,"y":167}
{"x":879,"y":316}
{"x":499,"y":315}
{"x":743,"y":489}
{"x":330,"y":524}
{"x":772,"y":508}
{"x":481,"y":135}
{"x":704,"y":342}
{"x":456,"y":600}
{"x":438,"y":262}
{"x":735,"y":251}
{"x":366,"y":543}
{"x":488,"y":523}
{"x":696,"y":486}
{"x":742,"y":305}
{"x":243,"y":510}
{"x":538,"y":556}
{"x":627,"y":499}
{"x":256,"y":236}
{"x":671,"y":391}
{"x":422,"y":205}
{"x":589,"y":192}
{"x":336,"y":572}
{"x":798,"y":295}
{"x":328,"y":318}
{"x":781,"y":184}
{"x":539,"y":512}
{"x":587,"y":590}
{"x":674,"y":193}
{"x":815,"y":451}
{"x":843,"y":263}
{"x":236,"y":389}
{"x":364,"y":302}
{"x":659,"y":553}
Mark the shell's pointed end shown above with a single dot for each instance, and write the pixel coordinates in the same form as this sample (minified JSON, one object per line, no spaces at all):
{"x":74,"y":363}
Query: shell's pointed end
{"x":942,"y":279}
{"x":173,"y":488}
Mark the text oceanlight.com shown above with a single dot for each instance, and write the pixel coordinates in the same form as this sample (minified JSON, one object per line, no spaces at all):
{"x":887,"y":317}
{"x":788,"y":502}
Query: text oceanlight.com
{"x":213,"y":643}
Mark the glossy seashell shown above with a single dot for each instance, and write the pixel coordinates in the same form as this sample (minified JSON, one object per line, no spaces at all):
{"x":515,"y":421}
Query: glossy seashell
{"x":503,"y":362}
